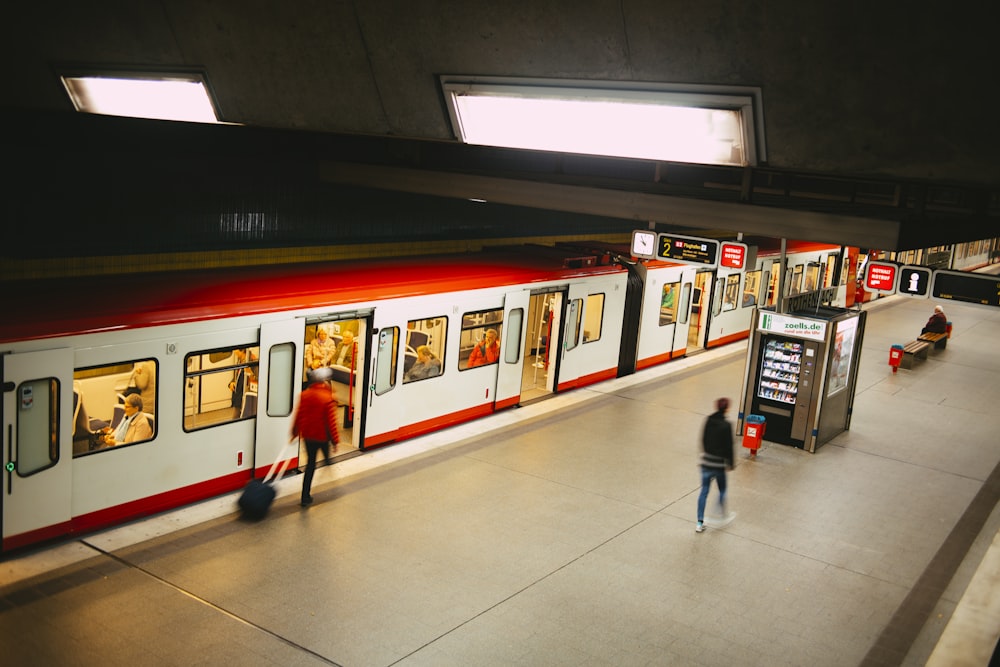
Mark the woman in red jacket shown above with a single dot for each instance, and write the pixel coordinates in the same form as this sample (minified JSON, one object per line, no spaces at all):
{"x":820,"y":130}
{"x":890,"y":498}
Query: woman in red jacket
{"x":316,"y":423}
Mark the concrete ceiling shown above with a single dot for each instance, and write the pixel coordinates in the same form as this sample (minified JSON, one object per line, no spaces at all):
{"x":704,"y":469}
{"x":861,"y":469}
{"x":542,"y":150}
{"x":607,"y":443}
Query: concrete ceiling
{"x":860,"y":91}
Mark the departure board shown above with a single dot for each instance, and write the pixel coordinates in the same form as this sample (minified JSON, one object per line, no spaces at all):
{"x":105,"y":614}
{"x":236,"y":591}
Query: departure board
{"x":688,"y":250}
{"x":968,"y":287}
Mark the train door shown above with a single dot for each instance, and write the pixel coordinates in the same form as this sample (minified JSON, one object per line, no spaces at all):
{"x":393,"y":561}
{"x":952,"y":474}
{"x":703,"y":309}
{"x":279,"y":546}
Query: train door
{"x":701,"y":300}
{"x":277,"y":381}
{"x":347,"y":335}
{"x":37,"y":443}
{"x":542,"y":322}
{"x":567,"y":369}
{"x":516,"y":349}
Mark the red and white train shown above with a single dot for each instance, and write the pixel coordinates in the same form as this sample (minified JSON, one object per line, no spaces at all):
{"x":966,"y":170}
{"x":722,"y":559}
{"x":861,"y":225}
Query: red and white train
{"x":218,"y":358}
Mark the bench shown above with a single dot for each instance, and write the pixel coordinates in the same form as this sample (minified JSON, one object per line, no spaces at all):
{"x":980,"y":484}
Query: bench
{"x":940,"y":340}
{"x":915,"y":349}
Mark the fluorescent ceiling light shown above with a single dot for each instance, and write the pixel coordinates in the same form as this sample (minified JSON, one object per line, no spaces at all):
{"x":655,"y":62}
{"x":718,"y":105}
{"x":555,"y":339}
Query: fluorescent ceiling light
{"x":168,"y":97}
{"x":686,"y":126}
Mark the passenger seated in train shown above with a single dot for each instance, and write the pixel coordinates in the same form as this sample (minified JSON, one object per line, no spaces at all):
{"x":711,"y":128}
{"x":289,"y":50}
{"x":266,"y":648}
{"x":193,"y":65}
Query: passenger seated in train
{"x":243,"y":378}
{"x":344,"y":354}
{"x":486,"y":351}
{"x":426,"y":365}
{"x":321,"y":349}
{"x":133,"y":427}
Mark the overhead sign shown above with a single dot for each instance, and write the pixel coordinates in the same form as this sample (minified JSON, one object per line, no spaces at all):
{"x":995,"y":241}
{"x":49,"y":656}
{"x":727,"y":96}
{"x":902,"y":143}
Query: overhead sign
{"x":914,"y":281}
{"x":733,"y":255}
{"x":880,"y":277}
{"x":974,"y":288}
{"x":688,"y":250}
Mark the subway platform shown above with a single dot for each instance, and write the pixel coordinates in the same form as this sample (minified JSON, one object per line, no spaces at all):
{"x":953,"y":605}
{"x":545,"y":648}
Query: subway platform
{"x":562,"y":533}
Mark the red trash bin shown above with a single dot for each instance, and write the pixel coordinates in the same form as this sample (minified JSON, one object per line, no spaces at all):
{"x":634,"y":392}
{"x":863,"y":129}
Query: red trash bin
{"x":753,"y":433}
{"x":895,"y":357}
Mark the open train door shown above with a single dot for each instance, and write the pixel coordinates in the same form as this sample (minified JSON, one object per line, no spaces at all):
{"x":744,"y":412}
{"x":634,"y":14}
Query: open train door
{"x":278,"y":382}
{"x":37,"y":444}
{"x":515,"y":318}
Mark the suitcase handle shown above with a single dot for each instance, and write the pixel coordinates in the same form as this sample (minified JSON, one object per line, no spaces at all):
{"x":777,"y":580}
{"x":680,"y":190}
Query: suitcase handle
{"x":284,"y":463}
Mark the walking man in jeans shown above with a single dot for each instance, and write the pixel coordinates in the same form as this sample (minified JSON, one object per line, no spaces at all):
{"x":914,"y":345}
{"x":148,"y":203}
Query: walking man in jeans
{"x":716,"y":458}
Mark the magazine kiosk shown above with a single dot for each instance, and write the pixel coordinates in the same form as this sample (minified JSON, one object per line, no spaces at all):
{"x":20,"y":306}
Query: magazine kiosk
{"x":801,"y":373}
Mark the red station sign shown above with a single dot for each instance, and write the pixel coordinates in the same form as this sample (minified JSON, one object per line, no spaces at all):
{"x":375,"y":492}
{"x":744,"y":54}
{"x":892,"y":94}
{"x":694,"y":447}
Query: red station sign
{"x":733,"y":255}
{"x":880,"y":277}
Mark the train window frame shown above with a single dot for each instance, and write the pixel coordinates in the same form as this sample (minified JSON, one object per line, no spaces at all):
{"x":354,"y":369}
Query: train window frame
{"x":830,"y":273}
{"x":93,"y":442}
{"x":37,"y":440}
{"x":280,"y":380}
{"x":795,"y":280}
{"x":810,"y":277}
{"x":594,"y":307}
{"x":475,"y":324}
{"x":386,"y":355}
{"x":574,"y":317}
{"x":751,"y":288}
{"x":671,"y":290}
{"x":194,"y":385}
{"x":436,"y":341}
{"x":685,"y":304}
{"x":515,"y":319}
{"x":730,"y":292}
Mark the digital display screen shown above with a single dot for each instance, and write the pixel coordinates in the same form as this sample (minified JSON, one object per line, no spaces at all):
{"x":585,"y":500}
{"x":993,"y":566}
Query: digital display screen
{"x":688,"y":249}
{"x":967,"y":287}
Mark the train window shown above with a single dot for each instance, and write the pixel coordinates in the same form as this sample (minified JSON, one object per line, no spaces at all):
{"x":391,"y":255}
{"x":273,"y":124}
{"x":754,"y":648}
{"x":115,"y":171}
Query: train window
{"x":594,"y":318}
{"x":796,"y":281}
{"x":717,"y":295}
{"x":512,"y":354}
{"x":220,"y":386}
{"x":385,"y":359}
{"x":37,"y":426}
{"x":424,"y":356}
{"x":280,"y":374}
{"x":751,"y":288}
{"x":772,"y":283}
{"x":732,"y":292}
{"x":830,"y":275}
{"x":479,"y":343}
{"x":668,"y":303}
{"x":574,"y":314}
{"x":685,"y":306}
{"x":811,"y":277}
{"x":114,"y":405}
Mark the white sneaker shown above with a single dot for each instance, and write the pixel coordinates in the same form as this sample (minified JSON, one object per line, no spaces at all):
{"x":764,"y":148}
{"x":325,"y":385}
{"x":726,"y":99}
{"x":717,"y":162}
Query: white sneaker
{"x":700,"y":528}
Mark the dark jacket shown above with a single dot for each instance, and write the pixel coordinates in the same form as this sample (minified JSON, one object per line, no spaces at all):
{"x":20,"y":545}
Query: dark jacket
{"x":717,"y":442}
{"x":938,"y":323}
{"x":316,"y":416}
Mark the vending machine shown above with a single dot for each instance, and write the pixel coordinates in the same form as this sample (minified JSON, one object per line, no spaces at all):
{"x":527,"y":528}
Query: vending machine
{"x":801,"y":373}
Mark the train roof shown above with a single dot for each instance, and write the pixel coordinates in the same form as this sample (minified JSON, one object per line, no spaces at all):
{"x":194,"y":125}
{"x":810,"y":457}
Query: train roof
{"x":61,"y":307}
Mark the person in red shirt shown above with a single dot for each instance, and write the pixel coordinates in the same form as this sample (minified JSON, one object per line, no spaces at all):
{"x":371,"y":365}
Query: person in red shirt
{"x":316,"y":423}
{"x":487,"y":351}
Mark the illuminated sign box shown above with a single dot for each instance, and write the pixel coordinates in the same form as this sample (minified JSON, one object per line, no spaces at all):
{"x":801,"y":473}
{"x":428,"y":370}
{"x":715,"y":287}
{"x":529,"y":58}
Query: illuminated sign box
{"x":733,"y":255}
{"x":974,"y":288}
{"x":688,"y":250}
{"x":880,"y":277}
{"x":914,"y":281}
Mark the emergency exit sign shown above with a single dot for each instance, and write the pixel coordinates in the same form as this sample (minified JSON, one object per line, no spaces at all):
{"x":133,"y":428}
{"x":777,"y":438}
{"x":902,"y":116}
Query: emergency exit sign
{"x":733,"y":255}
{"x":880,"y":277}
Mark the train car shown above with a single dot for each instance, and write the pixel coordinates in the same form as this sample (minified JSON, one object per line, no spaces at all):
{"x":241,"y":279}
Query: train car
{"x":210,"y":365}
{"x":127,"y":396}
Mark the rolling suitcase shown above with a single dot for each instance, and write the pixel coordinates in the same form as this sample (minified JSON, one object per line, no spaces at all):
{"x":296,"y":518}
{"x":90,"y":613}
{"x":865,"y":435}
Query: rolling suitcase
{"x":258,"y":494}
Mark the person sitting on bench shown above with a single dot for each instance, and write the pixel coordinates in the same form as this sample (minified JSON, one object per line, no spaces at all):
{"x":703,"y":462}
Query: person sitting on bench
{"x":937,"y":323}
